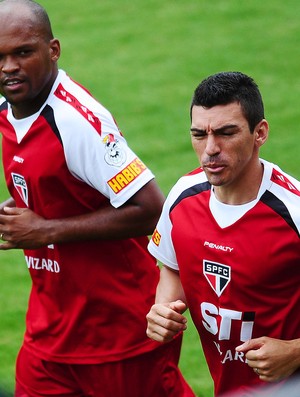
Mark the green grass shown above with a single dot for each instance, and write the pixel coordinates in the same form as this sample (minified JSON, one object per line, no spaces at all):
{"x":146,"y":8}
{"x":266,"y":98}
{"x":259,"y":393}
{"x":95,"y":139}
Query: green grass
{"x":142,"y":60}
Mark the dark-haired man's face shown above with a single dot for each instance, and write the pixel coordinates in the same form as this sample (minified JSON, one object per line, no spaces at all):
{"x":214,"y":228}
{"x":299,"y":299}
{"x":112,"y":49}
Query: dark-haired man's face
{"x":27,"y":64}
{"x":226,"y":149}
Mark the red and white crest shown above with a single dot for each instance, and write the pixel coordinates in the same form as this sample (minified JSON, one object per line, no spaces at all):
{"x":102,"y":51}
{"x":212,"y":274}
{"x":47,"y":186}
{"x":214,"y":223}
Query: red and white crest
{"x":217,"y":274}
{"x":21,"y":186}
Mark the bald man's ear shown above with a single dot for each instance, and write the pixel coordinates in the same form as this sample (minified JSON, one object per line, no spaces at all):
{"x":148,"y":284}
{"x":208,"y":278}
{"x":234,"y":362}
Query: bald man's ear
{"x":261,"y":132}
{"x":54,"y":49}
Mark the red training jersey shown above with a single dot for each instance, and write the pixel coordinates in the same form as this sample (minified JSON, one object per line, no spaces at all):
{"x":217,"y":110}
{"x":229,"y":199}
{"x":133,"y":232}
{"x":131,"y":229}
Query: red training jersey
{"x":241,"y":279}
{"x":89,"y":299}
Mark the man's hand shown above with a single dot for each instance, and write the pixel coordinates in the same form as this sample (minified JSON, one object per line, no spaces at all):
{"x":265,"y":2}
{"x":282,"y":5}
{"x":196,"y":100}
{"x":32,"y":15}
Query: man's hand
{"x":165,"y":320}
{"x":272,"y":359}
{"x":21,"y":228}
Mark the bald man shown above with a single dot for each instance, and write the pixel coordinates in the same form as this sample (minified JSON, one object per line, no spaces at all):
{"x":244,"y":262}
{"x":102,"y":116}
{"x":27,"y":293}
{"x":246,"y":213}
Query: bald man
{"x":82,"y":205}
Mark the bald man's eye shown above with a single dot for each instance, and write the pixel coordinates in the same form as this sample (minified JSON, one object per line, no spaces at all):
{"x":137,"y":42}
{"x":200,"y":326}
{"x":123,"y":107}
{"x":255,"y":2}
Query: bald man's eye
{"x":24,"y":53}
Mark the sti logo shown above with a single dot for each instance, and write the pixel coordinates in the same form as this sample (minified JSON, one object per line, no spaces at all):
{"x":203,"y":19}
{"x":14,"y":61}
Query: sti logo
{"x":21,"y":186}
{"x":217,"y":275}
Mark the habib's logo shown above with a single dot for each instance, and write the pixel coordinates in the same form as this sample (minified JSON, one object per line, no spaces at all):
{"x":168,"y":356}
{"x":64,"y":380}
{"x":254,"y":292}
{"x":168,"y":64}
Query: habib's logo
{"x":21,"y":186}
{"x":127,"y":175}
{"x":217,"y":274}
{"x":156,"y":237}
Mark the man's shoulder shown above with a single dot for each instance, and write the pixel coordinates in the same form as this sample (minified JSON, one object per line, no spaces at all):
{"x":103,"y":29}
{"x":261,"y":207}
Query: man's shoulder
{"x":283,"y":196}
{"x":73,"y":103}
{"x":192,"y":178}
{"x":190,"y":184}
{"x":284,"y":182}
{"x":70,"y":91}
{"x":3,"y":102}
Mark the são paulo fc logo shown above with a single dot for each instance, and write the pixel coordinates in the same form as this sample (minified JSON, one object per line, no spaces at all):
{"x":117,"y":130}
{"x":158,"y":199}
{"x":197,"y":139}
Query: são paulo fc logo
{"x":217,"y":274}
{"x":115,"y":154}
{"x":21,"y":186}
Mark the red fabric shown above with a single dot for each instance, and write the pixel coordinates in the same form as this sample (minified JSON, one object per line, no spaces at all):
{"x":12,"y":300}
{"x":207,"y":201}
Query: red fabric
{"x":153,"y":374}
{"x":241,"y":281}
{"x":85,"y":295}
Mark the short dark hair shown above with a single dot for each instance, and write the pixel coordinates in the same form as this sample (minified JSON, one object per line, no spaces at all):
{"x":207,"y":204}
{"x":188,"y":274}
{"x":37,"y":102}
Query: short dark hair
{"x":227,"y":87}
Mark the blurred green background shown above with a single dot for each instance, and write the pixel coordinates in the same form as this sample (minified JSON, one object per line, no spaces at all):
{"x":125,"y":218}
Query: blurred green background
{"x":143,"y":60}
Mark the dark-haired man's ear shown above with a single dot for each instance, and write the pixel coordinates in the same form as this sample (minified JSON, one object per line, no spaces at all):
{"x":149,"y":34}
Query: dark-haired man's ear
{"x":261,"y":132}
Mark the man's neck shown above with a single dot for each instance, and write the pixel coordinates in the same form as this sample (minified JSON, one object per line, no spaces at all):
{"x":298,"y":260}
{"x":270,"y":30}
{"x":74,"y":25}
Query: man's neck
{"x":241,"y":191}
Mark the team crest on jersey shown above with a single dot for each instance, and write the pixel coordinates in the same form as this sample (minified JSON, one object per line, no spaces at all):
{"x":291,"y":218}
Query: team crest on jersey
{"x":114,"y":155}
{"x":217,"y":275}
{"x":21,"y":186}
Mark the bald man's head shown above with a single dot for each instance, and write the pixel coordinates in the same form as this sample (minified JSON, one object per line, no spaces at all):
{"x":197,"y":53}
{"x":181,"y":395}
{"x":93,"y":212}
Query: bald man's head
{"x":28,"y":55}
{"x":28,"y":12}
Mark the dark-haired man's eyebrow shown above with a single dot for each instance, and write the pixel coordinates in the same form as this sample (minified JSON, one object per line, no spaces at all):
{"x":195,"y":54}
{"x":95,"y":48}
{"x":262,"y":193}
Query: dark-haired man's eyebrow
{"x":221,"y":130}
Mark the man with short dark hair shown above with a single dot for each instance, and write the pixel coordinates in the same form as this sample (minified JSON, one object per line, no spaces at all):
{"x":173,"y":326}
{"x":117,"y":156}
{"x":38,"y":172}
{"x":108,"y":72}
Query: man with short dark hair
{"x":229,"y":240}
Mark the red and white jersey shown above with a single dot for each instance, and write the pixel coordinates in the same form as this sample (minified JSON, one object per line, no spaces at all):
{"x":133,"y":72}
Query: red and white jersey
{"x":239,"y":267}
{"x":89,"y":299}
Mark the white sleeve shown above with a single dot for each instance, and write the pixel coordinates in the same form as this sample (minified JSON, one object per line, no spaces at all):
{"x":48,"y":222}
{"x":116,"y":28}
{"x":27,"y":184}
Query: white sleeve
{"x":287,"y":189}
{"x":161,"y":245}
{"x":104,"y":161}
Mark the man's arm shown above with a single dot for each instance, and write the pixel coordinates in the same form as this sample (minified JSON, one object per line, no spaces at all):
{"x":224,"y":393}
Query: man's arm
{"x":273,"y":359}
{"x":22,"y":228}
{"x":165,"y":319}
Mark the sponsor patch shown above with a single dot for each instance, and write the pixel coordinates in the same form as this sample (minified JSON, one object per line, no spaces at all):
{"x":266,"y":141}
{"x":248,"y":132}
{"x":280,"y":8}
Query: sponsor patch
{"x":217,"y":274}
{"x":126,"y":176}
{"x":21,"y":186}
{"x":156,"y":237}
